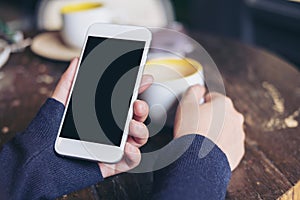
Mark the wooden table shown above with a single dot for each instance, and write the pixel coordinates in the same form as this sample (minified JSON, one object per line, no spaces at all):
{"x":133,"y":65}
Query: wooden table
{"x":265,"y":88}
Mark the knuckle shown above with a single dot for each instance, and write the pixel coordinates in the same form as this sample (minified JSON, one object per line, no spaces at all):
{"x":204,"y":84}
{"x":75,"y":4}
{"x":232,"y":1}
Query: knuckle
{"x":228,"y":101}
{"x":241,"y":117}
{"x":244,"y":137}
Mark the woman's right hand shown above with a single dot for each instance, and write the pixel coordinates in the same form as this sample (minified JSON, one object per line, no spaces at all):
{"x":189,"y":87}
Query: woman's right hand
{"x":216,"y":119}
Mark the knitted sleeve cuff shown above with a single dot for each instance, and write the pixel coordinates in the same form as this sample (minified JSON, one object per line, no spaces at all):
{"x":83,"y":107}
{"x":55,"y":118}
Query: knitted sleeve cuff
{"x":34,"y":170}
{"x":201,"y":172}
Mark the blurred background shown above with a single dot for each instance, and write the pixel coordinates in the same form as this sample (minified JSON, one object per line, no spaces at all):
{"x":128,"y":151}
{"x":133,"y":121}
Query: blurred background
{"x":270,"y":24}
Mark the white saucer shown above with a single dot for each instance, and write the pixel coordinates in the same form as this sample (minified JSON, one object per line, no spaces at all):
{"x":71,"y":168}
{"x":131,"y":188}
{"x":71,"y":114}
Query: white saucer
{"x":50,"y":45}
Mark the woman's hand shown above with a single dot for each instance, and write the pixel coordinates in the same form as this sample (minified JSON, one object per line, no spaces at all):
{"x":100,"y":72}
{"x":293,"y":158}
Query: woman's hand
{"x":138,"y":132}
{"x":216,"y":119}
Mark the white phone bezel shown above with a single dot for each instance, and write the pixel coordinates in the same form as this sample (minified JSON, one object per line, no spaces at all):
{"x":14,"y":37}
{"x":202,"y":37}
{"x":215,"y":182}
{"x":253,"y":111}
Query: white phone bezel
{"x":95,"y":151}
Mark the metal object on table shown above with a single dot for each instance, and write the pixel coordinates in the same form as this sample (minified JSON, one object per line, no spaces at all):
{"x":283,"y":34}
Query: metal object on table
{"x":6,"y":49}
{"x":13,"y":42}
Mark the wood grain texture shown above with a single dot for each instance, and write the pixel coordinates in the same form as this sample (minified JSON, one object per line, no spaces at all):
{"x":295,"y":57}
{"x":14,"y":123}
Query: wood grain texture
{"x":292,"y":194}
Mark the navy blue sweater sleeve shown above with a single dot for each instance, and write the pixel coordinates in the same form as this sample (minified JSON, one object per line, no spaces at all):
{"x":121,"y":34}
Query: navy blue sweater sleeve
{"x":30,"y":168}
{"x":202,"y":172}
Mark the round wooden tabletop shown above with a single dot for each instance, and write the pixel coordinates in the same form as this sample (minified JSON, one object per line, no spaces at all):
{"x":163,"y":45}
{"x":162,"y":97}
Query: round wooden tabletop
{"x":265,"y":88}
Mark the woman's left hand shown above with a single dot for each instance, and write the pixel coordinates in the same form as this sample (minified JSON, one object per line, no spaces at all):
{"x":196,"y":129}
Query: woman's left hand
{"x":138,"y":132}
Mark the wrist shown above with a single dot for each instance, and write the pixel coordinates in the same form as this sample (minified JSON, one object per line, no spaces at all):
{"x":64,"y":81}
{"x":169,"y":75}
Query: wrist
{"x":105,"y":170}
{"x":189,"y":132}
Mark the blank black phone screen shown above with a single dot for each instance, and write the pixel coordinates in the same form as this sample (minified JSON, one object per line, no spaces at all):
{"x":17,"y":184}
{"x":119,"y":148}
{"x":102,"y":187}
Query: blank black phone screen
{"x":102,"y":92}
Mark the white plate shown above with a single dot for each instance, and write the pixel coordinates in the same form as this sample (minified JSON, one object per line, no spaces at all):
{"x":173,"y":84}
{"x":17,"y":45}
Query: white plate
{"x":50,"y":45}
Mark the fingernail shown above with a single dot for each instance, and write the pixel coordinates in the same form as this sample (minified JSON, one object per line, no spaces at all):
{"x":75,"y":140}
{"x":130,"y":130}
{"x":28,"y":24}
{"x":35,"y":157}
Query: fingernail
{"x":141,"y":107}
{"x":202,"y":101}
{"x":147,"y":79}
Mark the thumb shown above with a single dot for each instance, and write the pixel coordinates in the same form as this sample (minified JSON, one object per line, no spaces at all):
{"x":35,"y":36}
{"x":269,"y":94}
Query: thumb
{"x":187,"y":116}
{"x":64,"y":85}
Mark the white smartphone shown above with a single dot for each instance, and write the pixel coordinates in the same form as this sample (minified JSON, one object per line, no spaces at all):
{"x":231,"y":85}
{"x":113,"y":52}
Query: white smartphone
{"x":99,"y":109}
